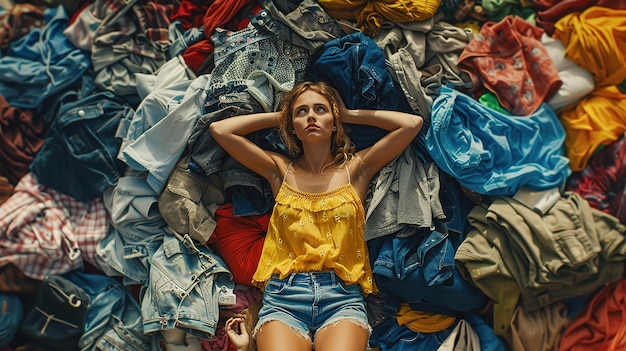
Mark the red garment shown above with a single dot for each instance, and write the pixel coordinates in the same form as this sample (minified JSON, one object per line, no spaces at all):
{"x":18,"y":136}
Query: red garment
{"x":601,"y":325}
{"x":21,"y":137}
{"x":509,"y":59}
{"x":239,"y":241}
{"x":190,"y":13}
{"x":219,"y":342}
{"x":603,"y":181}
{"x":44,"y":232}
{"x":549,"y":15}
{"x":221,"y":13}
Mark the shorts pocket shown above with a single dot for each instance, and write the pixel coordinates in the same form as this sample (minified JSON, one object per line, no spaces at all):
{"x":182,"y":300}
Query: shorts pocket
{"x":349,"y":288}
{"x":275,"y":286}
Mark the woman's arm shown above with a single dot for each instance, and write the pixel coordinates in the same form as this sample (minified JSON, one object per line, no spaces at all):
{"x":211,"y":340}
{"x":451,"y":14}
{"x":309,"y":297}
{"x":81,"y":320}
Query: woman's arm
{"x":230,"y":134}
{"x":402,"y":127}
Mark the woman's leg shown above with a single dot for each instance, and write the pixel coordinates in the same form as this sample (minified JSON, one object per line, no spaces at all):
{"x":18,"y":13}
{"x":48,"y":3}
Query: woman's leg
{"x":345,"y":335}
{"x":276,"y":336}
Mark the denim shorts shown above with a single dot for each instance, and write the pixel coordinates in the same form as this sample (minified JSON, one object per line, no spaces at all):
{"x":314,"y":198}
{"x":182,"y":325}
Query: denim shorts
{"x":307,"y":302}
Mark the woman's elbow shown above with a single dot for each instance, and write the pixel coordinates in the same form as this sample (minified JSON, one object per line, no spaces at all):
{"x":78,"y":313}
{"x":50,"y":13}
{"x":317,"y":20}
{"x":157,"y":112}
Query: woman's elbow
{"x":216,"y":130}
{"x":416,"y":123}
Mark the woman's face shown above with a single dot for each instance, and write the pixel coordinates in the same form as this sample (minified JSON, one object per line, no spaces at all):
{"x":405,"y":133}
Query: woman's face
{"x":312,"y":117}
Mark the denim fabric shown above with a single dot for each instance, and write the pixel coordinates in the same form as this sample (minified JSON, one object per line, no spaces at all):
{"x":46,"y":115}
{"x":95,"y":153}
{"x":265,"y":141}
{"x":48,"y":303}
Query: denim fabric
{"x":108,"y":300}
{"x":212,"y":158}
{"x":220,"y":95}
{"x":125,"y":331}
{"x":117,"y":255}
{"x":157,"y":149}
{"x":152,"y":109}
{"x":204,"y":150}
{"x":249,"y":193}
{"x":488,"y":340}
{"x":356,"y":67}
{"x":254,"y":58}
{"x":307,"y":302}
{"x":455,"y":204}
{"x":182,"y":291}
{"x":381,"y":307}
{"x":302,"y":23}
{"x":137,"y":230}
{"x":11,"y":315}
{"x":180,"y":39}
{"x":82,"y":144}
{"x":50,"y":106}
{"x":425,"y":260}
{"x":493,"y":153}
{"x":389,"y":336}
{"x":42,"y":63}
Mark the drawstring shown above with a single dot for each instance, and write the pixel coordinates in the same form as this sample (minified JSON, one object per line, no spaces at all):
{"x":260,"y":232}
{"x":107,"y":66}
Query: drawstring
{"x":47,"y":48}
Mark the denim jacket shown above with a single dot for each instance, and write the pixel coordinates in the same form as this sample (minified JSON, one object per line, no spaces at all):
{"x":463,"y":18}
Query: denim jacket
{"x":425,"y":259}
{"x":183,"y":288}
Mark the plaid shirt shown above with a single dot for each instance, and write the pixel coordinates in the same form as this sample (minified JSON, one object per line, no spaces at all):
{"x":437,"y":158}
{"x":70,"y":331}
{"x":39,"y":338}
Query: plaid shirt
{"x":44,"y":232}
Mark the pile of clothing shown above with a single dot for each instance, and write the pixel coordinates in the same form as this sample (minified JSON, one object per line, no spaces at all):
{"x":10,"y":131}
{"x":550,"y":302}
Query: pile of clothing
{"x":501,"y":227}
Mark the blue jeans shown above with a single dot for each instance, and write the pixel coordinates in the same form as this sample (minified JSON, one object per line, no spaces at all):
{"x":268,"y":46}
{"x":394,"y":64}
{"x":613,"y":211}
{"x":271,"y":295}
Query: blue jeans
{"x":136,"y":233}
{"x":211,"y":158}
{"x":356,"y":67}
{"x":425,"y":261}
{"x":249,"y":193}
{"x":42,"y":63}
{"x":107,"y":317}
{"x":389,"y":336}
{"x":79,"y":155}
{"x":307,"y":302}
{"x":10,"y":317}
{"x":305,"y":25}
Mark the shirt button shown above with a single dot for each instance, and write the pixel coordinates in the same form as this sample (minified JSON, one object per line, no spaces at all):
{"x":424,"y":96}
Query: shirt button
{"x":81,"y":113}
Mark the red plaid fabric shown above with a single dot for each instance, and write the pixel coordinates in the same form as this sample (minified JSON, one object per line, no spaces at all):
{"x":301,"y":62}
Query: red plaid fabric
{"x":45,"y":232}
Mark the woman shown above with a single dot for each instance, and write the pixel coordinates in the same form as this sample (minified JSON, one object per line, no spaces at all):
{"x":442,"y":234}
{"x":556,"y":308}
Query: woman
{"x":314,"y":268}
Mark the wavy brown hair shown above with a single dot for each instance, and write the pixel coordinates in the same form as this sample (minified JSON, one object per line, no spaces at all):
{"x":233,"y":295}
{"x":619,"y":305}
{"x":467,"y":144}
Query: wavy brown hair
{"x":342,"y":148}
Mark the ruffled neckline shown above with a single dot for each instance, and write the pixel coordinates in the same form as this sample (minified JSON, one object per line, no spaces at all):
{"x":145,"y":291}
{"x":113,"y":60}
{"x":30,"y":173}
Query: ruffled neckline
{"x":325,"y":200}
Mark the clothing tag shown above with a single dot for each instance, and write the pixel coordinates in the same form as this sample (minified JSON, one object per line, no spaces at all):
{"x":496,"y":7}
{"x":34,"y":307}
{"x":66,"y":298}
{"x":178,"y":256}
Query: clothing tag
{"x":540,"y":201}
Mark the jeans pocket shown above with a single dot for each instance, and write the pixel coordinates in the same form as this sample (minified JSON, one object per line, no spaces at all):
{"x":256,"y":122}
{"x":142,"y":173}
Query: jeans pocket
{"x":275,"y":286}
{"x":349,"y":288}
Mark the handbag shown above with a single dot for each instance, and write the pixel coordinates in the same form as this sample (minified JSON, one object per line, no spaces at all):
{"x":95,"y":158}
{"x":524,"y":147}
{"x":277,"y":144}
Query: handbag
{"x":56,"y":320}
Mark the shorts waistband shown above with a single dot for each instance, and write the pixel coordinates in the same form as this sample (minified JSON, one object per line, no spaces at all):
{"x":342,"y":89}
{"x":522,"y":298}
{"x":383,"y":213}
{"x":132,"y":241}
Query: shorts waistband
{"x":307,"y":277}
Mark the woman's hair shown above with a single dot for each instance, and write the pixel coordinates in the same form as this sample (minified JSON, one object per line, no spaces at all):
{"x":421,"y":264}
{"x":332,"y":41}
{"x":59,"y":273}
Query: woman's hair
{"x":342,"y":148}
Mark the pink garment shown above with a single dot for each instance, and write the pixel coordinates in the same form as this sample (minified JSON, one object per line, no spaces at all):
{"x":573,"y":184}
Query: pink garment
{"x":246,"y":297}
{"x":45,"y":232}
{"x":509,"y":59}
{"x":219,"y":342}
